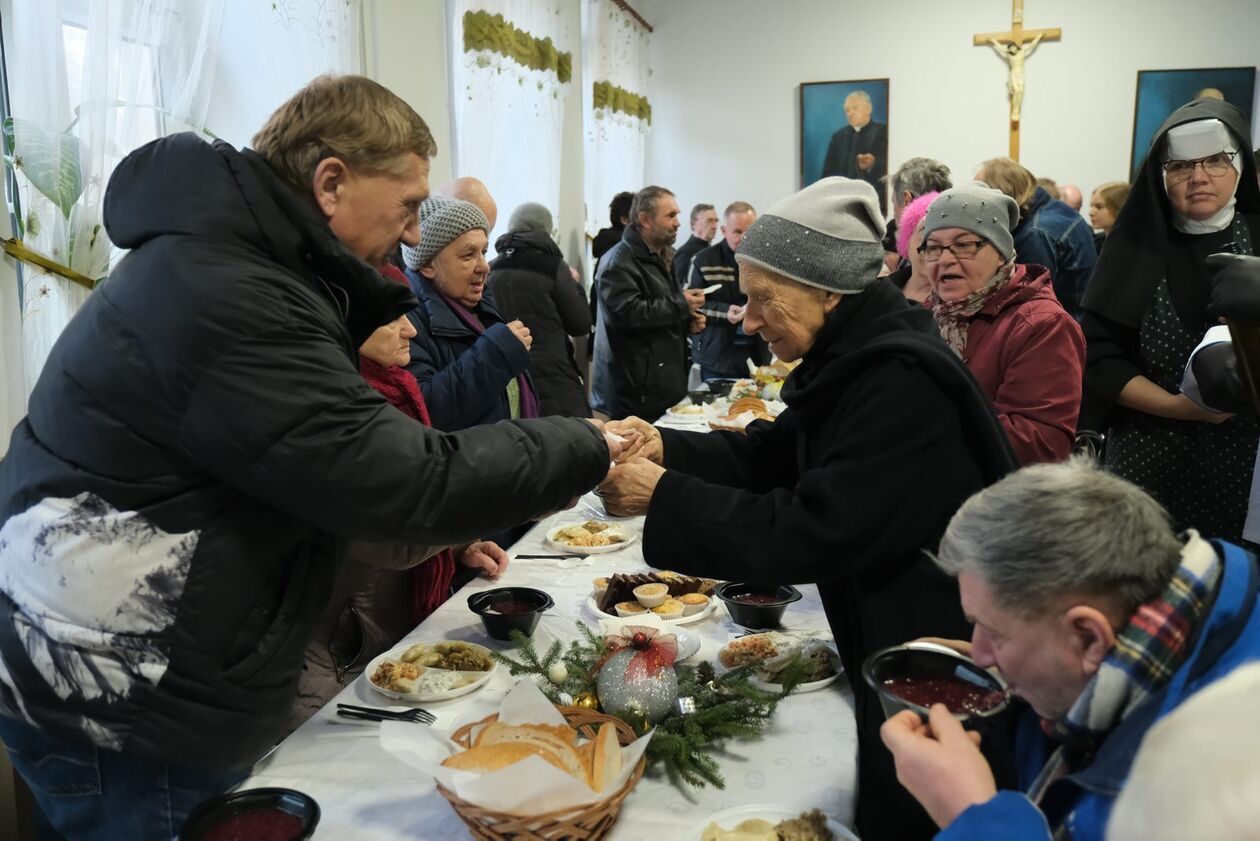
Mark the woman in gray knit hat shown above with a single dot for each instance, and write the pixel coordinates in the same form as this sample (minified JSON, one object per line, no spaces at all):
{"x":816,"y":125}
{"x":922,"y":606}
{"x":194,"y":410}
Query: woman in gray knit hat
{"x":471,"y":363}
{"x":1003,"y":319}
{"x":884,"y":434}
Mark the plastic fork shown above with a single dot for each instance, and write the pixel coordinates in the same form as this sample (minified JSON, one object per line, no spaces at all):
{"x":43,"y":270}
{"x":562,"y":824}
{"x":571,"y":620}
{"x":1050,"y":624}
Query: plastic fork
{"x":416,"y":715}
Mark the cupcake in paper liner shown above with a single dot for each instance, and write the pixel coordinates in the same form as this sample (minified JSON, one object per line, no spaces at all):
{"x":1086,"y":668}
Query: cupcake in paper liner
{"x":651,"y":595}
{"x":629,"y":609}
{"x":669,"y":609}
{"x":601,"y":587}
{"x":693,"y":603}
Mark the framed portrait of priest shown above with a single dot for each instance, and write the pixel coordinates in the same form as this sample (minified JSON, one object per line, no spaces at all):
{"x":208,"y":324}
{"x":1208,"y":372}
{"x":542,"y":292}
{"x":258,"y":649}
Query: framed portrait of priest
{"x":1160,"y":92}
{"x":844,"y":131}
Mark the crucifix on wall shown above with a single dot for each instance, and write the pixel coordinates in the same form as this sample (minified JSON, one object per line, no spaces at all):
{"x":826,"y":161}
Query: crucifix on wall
{"x":1015,"y":47}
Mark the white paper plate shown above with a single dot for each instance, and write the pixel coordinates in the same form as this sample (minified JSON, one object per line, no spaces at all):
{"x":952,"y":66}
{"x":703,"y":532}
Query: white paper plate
{"x":811,"y":686}
{"x":593,"y":606}
{"x":686,"y":417}
{"x":589,"y":550}
{"x":427,"y":697}
{"x":728,"y":818}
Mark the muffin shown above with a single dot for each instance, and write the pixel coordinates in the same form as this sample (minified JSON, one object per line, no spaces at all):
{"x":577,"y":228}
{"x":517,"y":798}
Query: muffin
{"x":693,"y":603}
{"x":629,"y":609}
{"x":669,"y":609}
{"x":601,"y":587}
{"x":651,"y":595}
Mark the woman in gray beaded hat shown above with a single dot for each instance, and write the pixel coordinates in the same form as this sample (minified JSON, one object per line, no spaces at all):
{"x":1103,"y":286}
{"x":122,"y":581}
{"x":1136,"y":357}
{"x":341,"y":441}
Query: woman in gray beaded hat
{"x":885,"y":433}
{"x":1003,"y":319}
{"x":472,"y":363}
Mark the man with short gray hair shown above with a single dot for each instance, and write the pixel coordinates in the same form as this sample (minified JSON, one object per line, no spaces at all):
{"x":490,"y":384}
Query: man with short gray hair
{"x":916,"y":177}
{"x":1100,"y":618}
{"x":704,"y":224}
{"x":860,"y":149}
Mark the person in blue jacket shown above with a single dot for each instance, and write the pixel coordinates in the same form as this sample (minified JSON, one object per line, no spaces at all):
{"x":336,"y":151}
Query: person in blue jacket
{"x":1101,"y":619}
{"x":472,"y":363}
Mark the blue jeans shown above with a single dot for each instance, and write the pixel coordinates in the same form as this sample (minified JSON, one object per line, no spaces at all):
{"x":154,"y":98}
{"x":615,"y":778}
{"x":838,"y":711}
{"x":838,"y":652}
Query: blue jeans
{"x":90,"y":793}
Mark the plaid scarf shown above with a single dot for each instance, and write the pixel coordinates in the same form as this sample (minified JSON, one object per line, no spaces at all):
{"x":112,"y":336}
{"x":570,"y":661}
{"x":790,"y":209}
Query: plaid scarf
{"x":1148,"y":651}
{"x":954,"y":317}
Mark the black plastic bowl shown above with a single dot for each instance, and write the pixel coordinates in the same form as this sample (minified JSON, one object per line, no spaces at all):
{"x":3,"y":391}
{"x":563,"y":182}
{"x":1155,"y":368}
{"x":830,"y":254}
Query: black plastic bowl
{"x":209,"y":814}
{"x":901,"y":661}
{"x":499,"y":625}
{"x":720,"y":387}
{"x":702,"y":396}
{"x":757,"y":616}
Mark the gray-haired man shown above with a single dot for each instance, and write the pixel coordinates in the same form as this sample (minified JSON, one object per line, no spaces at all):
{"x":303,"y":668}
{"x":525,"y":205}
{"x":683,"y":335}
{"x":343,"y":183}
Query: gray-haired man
{"x":1101,"y":619}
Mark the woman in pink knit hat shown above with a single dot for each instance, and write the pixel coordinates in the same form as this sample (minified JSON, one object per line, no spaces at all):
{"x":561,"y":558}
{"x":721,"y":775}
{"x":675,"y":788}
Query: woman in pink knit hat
{"x":912,"y":278}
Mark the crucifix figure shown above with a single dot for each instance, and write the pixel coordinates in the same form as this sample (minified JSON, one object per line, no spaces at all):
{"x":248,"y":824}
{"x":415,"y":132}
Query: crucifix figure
{"x":1015,"y":47}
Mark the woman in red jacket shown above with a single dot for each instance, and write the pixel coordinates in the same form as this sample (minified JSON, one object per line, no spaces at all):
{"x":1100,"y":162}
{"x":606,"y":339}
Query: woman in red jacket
{"x":1004,"y":320}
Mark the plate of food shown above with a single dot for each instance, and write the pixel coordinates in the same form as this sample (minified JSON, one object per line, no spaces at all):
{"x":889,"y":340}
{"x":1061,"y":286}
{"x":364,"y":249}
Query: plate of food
{"x":590,"y":537}
{"x":757,"y":822}
{"x":687,"y":412}
{"x":772,"y":651}
{"x":675,"y":599}
{"x":744,"y":411}
{"x":431,"y":671}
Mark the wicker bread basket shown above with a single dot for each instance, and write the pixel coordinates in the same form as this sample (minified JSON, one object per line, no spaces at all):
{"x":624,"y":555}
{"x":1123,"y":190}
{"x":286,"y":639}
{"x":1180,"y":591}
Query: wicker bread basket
{"x":588,"y":822}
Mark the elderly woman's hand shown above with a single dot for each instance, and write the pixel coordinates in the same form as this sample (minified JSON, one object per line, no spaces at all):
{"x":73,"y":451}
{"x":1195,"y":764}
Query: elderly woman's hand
{"x":487,"y":556}
{"x":642,"y":439}
{"x":629,"y":487}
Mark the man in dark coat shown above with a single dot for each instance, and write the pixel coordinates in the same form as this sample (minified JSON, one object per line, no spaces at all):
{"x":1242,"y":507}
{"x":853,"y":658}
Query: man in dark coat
{"x":704,"y":224}
{"x":860,"y":149}
{"x":723,"y":347}
{"x":640,"y":365}
{"x":200,"y":446}
{"x":529,"y":281}
{"x":604,"y":240}
{"x":849,"y":487}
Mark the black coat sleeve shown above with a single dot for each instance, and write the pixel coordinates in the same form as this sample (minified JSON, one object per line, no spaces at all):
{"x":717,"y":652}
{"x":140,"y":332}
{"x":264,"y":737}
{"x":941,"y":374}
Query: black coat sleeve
{"x":879,"y":487}
{"x":1111,"y":360}
{"x":759,"y":460}
{"x":285,"y":417}
{"x":567,"y":295}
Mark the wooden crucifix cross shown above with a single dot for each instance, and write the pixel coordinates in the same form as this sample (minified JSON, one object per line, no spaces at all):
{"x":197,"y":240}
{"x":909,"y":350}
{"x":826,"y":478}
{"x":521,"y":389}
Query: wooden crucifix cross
{"x":1015,"y":47}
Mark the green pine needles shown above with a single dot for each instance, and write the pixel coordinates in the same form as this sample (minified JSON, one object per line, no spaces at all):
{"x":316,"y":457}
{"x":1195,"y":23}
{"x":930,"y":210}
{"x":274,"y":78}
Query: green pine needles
{"x":727,"y":706}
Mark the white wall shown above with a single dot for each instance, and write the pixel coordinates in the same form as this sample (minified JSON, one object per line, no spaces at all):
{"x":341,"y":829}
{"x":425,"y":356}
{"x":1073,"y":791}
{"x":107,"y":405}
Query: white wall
{"x":726,"y":82}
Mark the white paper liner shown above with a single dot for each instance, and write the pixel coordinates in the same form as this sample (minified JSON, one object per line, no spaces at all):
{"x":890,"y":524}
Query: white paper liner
{"x":529,"y":787}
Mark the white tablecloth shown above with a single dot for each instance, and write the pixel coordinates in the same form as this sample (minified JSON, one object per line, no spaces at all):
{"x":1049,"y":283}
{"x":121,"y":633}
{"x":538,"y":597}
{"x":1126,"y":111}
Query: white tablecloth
{"x":805,"y":760}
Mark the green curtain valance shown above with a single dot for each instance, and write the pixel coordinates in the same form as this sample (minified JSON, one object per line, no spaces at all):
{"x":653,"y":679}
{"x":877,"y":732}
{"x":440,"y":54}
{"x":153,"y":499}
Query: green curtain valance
{"x":484,"y":31}
{"x":608,"y":95}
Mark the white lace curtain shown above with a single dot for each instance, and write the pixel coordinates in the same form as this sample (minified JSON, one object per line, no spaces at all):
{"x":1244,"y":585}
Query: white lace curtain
{"x":509,"y":108}
{"x":616,"y":120}
{"x":89,"y":82}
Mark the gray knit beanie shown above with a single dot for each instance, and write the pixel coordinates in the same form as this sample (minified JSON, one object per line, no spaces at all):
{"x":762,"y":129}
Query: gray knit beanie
{"x":827,"y":236}
{"x":978,"y":208}
{"x":442,"y":221}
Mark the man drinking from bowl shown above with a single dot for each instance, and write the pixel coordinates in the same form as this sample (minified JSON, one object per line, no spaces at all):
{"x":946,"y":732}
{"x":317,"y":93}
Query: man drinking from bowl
{"x":1101,"y":618}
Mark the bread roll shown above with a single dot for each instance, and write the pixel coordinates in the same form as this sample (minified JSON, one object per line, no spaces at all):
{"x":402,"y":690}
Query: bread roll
{"x":606,"y":758}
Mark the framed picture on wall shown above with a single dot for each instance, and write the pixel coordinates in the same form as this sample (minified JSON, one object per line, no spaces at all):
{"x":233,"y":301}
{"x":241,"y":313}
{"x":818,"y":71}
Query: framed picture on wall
{"x":1160,"y":92}
{"x":844,"y":131}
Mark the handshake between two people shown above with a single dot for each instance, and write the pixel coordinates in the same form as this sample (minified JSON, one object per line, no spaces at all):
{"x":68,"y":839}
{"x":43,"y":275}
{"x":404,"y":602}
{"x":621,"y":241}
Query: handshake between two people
{"x":637,"y":453}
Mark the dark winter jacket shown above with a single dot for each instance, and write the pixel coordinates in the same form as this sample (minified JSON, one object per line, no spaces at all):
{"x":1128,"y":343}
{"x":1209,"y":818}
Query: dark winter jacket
{"x":464,"y":376}
{"x":640,"y":364}
{"x":1053,"y":235}
{"x":1028,"y":355}
{"x":199,"y":447}
{"x":530,"y":281}
{"x":682,"y":258}
{"x":723,"y":347}
{"x":884,"y":437}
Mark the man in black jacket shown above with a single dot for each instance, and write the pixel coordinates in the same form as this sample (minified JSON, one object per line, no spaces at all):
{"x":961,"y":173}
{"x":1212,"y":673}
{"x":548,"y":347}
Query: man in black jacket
{"x":640,"y":364}
{"x":200,"y":446}
{"x":704,"y":224}
{"x":723,"y":347}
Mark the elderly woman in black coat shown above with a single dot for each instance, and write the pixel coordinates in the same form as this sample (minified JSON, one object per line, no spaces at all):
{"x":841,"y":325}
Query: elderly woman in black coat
{"x":885,"y":435}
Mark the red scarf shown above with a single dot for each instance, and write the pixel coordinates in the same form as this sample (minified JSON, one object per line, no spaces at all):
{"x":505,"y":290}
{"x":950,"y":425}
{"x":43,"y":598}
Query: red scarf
{"x":431,"y":580}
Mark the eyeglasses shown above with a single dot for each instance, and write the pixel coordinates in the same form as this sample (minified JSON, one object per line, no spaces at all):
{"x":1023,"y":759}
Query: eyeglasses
{"x":963,"y":249}
{"x":1215,"y":165}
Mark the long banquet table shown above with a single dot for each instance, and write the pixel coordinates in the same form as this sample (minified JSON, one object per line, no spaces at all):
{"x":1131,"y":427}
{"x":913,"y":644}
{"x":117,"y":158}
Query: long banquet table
{"x":804,"y":760}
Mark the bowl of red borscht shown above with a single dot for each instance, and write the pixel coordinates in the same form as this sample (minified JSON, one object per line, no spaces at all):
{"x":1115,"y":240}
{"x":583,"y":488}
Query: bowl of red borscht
{"x":758,"y":607}
{"x":914,"y":677}
{"x":259,"y":814}
{"x":507,"y":609}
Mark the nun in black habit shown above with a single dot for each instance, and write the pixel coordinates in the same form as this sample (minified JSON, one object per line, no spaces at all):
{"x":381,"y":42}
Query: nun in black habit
{"x":1145,"y":310}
